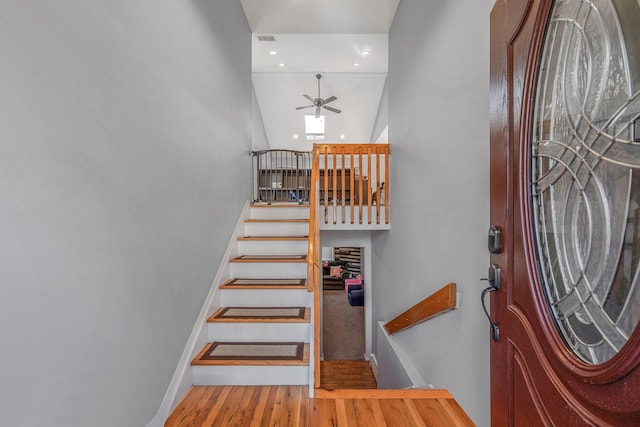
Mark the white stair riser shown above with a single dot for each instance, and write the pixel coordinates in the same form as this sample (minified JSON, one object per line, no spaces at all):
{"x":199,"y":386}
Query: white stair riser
{"x":266,"y":298}
{"x":259,"y":332}
{"x":266,"y":270}
{"x":279,"y":247}
{"x":276,"y":228}
{"x":250,"y":375}
{"x":279,"y":213}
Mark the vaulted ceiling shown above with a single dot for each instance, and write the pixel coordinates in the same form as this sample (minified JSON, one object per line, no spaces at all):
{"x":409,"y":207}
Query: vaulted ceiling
{"x":325,"y":37}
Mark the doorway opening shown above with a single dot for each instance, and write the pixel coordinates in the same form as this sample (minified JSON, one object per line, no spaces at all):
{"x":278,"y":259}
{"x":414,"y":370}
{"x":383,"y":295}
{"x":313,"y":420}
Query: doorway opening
{"x":343,"y":343}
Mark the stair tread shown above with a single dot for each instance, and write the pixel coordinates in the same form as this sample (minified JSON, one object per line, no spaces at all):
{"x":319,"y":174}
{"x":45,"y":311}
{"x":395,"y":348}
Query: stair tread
{"x":252,"y":284}
{"x":274,"y":238}
{"x":254,"y":353}
{"x":261,"y":315}
{"x":269,"y":258}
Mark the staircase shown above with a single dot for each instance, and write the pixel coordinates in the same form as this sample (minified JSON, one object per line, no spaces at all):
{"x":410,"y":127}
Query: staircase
{"x":261,"y":332}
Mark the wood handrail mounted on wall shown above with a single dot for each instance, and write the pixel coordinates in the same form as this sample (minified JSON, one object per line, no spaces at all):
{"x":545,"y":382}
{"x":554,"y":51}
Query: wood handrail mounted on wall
{"x":439,"y":302}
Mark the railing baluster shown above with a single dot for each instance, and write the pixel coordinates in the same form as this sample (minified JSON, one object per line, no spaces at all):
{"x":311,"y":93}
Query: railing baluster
{"x":378,"y":192}
{"x":352,"y":176}
{"x":386,"y":187}
{"x":369,"y":186}
{"x":360,"y":185}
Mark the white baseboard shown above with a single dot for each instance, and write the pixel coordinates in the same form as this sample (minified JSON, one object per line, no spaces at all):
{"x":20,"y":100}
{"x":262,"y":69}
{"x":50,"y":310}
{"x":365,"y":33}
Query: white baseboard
{"x":373,"y":362}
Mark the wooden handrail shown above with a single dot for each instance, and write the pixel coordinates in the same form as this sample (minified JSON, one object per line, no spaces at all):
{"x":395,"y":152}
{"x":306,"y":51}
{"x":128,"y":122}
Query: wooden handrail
{"x":437,"y":303}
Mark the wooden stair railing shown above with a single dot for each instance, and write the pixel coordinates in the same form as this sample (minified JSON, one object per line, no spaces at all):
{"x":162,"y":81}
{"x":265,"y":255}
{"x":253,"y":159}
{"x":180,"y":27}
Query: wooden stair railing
{"x":313,"y":263}
{"x":354,"y":176}
{"x":333,"y":160}
{"x":439,"y":302}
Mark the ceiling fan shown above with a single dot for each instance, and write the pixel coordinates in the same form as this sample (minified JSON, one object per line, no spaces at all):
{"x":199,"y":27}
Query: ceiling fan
{"x":318,"y":102}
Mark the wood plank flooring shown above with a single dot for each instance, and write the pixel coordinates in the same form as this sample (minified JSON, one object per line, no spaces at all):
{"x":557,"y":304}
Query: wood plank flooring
{"x":289,"y":406}
{"x":348,"y":398}
{"x":350,"y":374}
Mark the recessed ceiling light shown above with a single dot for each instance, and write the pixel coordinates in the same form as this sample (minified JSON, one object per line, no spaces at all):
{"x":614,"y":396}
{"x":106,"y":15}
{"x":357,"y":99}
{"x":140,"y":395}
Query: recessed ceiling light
{"x":356,"y":65}
{"x":365,"y":52}
{"x":282,"y":64}
{"x":273,"y":52}
{"x":295,"y":136}
{"x":342,"y":136}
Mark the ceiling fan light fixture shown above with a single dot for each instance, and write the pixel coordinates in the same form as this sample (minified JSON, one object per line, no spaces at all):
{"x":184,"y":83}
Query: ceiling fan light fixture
{"x":319,"y":103}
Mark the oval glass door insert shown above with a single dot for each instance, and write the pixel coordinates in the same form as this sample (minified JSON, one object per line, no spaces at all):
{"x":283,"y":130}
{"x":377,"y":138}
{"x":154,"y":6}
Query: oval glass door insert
{"x":585,"y":173}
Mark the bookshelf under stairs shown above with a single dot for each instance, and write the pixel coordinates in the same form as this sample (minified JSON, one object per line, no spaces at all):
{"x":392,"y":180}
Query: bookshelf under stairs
{"x":261,"y":332}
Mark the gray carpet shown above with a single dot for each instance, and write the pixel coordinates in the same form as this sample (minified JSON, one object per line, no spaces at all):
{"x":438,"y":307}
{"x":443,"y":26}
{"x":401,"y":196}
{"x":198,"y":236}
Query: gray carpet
{"x":342,"y":328}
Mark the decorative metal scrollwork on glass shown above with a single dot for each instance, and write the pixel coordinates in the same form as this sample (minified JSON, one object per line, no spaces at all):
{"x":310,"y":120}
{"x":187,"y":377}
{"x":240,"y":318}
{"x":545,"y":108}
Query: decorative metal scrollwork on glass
{"x":585,"y":173}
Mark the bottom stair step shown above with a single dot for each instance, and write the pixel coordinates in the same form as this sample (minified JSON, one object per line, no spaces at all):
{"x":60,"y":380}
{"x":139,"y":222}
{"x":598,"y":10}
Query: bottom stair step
{"x":254,"y":353}
{"x":248,"y":363}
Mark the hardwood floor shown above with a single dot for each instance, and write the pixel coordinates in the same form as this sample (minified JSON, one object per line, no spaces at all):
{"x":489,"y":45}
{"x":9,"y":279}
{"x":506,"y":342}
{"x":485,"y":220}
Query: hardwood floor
{"x":348,"y":398}
{"x":289,"y":406}
{"x":337,"y":374}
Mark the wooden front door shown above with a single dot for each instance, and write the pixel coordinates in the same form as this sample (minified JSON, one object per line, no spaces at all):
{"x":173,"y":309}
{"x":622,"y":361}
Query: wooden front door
{"x":565,"y":195}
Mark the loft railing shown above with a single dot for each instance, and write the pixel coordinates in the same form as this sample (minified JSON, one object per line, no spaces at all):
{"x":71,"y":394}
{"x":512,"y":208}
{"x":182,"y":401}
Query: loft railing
{"x":353,"y":183}
{"x":280,"y":176}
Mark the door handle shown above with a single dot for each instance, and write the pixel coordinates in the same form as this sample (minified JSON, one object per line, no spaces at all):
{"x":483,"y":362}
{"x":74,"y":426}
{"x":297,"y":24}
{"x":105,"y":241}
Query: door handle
{"x":495,"y":282}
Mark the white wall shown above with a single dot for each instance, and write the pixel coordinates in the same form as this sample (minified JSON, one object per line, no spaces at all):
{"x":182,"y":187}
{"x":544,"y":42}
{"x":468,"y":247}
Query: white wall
{"x":258,"y":134}
{"x":439,"y":133}
{"x":123,"y":167}
{"x":382,"y":118}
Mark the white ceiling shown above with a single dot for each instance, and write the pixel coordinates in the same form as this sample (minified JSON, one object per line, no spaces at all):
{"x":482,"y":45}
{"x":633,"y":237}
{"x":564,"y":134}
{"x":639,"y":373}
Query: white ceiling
{"x":320,"y":16}
{"x":326,"y":37}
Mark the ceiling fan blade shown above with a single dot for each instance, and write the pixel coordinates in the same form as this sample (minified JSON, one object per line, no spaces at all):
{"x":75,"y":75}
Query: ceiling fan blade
{"x":309,"y":98}
{"x":306,"y":106}
{"x":329,"y":99}
{"x":335,"y":110}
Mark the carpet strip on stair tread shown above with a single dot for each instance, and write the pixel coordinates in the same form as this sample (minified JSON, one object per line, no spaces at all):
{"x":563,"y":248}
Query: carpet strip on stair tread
{"x":249,"y":284}
{"x":269,"y":258}
{"x":261,"y":314}
{"x":253,"y":353}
